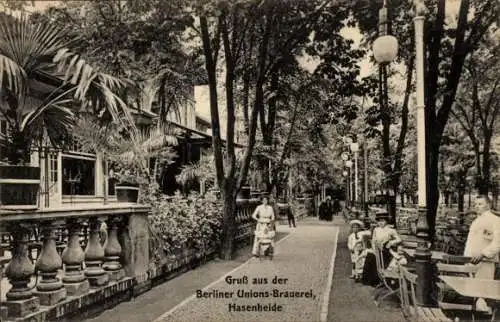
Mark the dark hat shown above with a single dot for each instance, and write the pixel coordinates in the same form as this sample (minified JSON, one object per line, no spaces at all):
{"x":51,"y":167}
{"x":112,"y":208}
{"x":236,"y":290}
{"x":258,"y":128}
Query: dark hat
{"x":381,"y":215}
{"x":264,"y":195}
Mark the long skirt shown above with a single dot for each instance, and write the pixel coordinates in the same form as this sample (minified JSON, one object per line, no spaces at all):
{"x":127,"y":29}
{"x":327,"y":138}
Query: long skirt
{"x":370,"y":274}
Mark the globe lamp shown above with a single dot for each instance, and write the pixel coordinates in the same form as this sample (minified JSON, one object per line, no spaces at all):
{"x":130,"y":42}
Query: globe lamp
{"x":385,"y":49}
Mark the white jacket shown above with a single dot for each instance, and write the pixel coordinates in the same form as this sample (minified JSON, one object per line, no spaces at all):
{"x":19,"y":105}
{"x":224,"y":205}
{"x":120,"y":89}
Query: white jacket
{"x":484,"y":236}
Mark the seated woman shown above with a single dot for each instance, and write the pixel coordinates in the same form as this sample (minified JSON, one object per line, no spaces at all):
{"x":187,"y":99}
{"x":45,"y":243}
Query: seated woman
{"x":383,"y":237}
{"x":263,"y":214}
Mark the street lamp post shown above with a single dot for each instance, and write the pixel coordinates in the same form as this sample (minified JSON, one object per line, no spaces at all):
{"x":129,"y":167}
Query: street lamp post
{"x":385,"y":50}
{"x":423,"y":263}
{"x":348,"y":164}
{"x":345,"y":157}
{"x":365,"y":154}
{"x":346,"y":176}
{"x":355,"y":149}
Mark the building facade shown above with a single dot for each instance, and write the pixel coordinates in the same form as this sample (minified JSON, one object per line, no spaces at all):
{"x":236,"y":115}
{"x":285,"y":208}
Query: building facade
{"x":72,"y":176}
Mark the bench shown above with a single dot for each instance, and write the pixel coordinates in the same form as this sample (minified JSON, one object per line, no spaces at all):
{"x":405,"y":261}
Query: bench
{"x":411,"y":311}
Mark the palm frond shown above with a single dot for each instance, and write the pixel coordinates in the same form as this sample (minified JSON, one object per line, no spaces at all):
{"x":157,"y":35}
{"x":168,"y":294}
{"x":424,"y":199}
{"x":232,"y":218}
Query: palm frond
{"x":93,"y":88}
{"x":26,"y":48}
{"x":60,"y":101}
{"x":146,"y":144}
{"x":96,"y":137}
{"x":12,"y":76}
{"x":52,"y":123}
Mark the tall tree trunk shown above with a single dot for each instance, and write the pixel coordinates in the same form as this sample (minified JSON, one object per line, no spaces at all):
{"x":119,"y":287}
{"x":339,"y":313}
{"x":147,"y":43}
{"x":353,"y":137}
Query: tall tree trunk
{"x":432,"y":191}
{"x":228,"y":221}
{"x":461,"y":194}
{"x":484,"y":186}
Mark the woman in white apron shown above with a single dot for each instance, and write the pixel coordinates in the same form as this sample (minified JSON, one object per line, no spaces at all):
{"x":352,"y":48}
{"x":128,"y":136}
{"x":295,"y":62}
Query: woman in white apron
{"x":263,"y":214}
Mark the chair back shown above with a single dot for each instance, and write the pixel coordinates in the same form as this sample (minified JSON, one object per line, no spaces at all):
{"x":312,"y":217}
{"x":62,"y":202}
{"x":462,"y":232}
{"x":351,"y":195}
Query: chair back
{"x":447,"y":300}
{"x":457,"y":270}
{"x":456,"y":259}
{"x":403,"y":289}
{"x":408,"y":282}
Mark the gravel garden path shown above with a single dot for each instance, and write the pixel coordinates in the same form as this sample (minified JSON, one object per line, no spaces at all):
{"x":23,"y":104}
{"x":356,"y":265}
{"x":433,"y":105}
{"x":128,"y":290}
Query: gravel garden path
{"x":292,"y":287}
{"x":314,"y":260}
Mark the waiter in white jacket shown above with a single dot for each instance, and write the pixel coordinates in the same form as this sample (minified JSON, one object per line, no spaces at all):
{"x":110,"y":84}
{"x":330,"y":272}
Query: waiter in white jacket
{"x":483,"y":243}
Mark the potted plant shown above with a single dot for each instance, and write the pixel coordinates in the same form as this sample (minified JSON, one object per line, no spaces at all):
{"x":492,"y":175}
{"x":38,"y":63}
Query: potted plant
{"x":127,"y":189}
{"x":41,"y":117}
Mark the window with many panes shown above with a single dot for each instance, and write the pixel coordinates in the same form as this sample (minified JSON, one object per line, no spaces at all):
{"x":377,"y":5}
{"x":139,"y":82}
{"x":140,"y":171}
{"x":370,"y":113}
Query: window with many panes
{"x":53,"y":172}
{"x":78,"y":172}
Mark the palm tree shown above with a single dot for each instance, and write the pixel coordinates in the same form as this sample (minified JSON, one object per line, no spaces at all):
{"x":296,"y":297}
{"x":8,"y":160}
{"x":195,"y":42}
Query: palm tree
{"x":39,"y":52}
{"x":135,"y":155}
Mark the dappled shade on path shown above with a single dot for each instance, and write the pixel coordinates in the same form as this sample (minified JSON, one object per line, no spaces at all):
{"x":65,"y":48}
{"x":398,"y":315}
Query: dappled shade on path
{"x":354,"y":302}
{"x":303,"y":260}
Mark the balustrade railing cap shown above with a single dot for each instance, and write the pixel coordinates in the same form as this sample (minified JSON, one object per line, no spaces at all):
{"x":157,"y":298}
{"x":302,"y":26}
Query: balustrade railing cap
{"x":74,"y":211}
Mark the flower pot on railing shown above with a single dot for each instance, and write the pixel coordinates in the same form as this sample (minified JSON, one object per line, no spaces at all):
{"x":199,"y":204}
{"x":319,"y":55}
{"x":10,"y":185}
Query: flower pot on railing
{"x":19,"y":187}
{"x":127,"y":192}
{"x":244,"y":192}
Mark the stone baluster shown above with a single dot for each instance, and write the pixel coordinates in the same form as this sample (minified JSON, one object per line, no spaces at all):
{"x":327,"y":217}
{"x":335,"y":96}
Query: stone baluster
{"x":85,"y":234}
{"x":61,"y":243}
{"x":20,"y":300}
{"x":112,"y":252}
{"x":73,"y":256}
{"x":50,"y":290}
{"x":94,"y":255}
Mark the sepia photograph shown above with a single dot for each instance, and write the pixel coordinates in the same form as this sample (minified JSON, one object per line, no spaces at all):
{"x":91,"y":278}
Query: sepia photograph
{"x":250,"y":160}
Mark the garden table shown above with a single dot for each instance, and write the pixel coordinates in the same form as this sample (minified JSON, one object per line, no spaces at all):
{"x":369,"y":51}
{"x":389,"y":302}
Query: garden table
{"x":476,"y":288}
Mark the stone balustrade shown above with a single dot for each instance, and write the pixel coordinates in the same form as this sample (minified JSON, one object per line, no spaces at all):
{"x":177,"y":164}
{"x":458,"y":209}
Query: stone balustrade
{"x":72,"y":262}
{"x":245,"y":225}
{"x":72,"y":268}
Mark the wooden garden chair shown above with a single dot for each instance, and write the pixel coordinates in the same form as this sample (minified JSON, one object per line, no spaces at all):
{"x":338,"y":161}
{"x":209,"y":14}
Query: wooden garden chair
{"x":455,"y":270}
{"x":387,"y":278}
{"x":411,"y":311}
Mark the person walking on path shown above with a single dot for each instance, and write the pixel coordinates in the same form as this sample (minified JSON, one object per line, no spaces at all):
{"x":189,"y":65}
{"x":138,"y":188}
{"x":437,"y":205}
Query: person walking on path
{"x":291,"y":217}
{"x":263,"y":214}
{"x":323,"y":209}
{"x":336,"y":207}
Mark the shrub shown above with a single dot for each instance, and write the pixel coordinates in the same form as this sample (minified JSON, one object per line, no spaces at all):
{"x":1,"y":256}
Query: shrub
{"x":178,"y":223}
